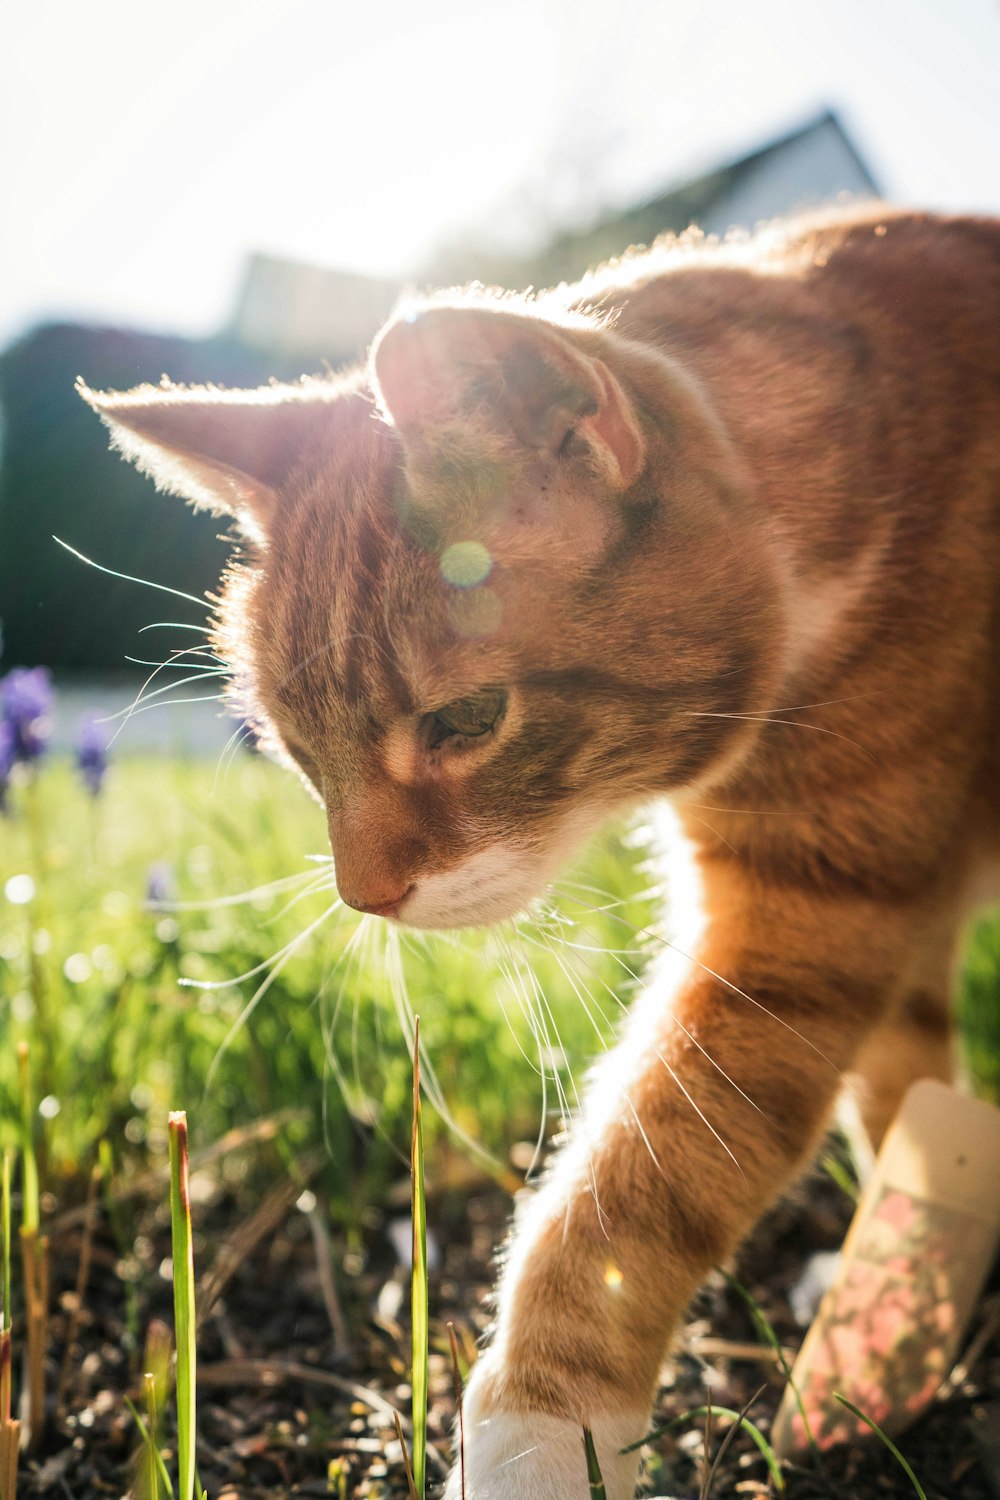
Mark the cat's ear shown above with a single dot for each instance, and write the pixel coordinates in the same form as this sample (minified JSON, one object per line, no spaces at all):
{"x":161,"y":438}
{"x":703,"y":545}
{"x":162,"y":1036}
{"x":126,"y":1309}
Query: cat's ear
{"x":504,"y":370}
{"x":228,"y":451}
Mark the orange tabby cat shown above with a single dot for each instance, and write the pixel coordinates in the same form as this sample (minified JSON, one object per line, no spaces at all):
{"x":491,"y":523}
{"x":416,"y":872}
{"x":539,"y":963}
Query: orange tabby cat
{"x":721,"y":524}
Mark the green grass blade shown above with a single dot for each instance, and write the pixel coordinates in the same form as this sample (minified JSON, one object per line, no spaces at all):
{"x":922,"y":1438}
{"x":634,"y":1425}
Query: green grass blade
{"x":411,"y":1488}
{"x":456,"y":1375}
{"x":6,"y":1357}
{"x":884,"y":1438}
{"x":767,"y":1334}
{"x":153,"y":1453}
{"x":419,"y":1302}
{"x":838,"y":1173}
{"x":8,"y":1160}
{"x":696,"y":1413}
{"x":149,"y":1385}
{"x":716,"y":1464}
{"x":594,"y":1476}
{"x":29,"y":1165}
{"x":184,"y":1308}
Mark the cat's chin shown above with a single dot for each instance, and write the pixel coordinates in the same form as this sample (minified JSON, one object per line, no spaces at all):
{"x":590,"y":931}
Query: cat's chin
{"x":484,"y":916}
{"x":437,"y":905}
{"x":494,"y":885}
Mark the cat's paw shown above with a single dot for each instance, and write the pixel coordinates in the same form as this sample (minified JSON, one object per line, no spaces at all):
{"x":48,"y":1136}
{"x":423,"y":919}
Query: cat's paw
{"x":528,"y":1456}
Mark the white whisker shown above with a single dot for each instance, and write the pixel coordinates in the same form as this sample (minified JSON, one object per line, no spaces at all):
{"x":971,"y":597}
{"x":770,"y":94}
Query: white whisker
{"x":259,"y":893}
{"x":174,"y":625}
{"x":228,"y":754}
{"x":282,"y":959}
{"x":147,"y":583}
{"x":679,"y":1024}
{"x":656,"y":937}
{"x":280,"y":956}
{"x":794,"y":723}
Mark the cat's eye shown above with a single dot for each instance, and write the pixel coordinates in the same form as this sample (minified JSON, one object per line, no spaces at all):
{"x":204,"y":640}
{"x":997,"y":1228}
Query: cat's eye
{"x":469,"y":718}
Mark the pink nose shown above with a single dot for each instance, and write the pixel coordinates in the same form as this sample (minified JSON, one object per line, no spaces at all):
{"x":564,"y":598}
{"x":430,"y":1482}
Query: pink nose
{"x":389,"y":908}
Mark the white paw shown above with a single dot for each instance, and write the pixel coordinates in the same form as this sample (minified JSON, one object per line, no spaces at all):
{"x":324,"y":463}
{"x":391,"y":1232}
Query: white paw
{"x":527,"y":1456}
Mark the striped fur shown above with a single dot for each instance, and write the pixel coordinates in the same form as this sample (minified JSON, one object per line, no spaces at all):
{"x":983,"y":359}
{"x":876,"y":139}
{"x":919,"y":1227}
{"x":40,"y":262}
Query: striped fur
{"x":736,"y":523}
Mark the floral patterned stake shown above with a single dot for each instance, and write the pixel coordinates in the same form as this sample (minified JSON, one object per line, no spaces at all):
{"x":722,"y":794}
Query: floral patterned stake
{"x":921,"y":1244}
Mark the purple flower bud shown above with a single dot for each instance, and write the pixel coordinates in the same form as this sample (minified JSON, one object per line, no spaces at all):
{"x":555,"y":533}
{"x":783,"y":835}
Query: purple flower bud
{"x":7,"y":758}
{"x":92,"y":739}
{"x":160,"y":883}
{"x":26,"y":700}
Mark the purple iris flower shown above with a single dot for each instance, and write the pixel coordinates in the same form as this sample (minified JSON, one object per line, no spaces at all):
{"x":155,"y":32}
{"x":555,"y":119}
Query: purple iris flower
{"x":92,"y":741}
{"x":26,"y":701}
{"x":160,"y":884}
{"x":7,"y":758}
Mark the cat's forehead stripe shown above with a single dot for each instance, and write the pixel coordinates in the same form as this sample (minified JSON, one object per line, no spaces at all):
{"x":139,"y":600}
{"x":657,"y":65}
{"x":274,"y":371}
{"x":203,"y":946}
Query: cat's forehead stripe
{"x":337,"y":567}
{"x":400,"y":754}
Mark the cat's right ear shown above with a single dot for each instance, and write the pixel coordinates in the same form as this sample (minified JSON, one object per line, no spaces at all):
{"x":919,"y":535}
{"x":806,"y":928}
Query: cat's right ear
{"x":490,"y":366}
{"x":227,"y":451}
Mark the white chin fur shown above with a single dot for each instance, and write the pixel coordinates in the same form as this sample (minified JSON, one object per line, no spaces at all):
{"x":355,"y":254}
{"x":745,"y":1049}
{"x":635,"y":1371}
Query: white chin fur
{"x":510,"y":1456}
{"x":491,"y":886}
{"x":499,"y":882}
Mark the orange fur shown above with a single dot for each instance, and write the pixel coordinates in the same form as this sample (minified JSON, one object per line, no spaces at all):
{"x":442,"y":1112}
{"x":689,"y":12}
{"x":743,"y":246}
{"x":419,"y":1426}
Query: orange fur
{"x":741,"y":506}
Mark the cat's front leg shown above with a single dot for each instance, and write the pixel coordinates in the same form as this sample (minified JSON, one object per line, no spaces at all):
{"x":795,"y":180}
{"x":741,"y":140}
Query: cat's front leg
{"x":520,"y":1454}
{"x":719,"y":1089}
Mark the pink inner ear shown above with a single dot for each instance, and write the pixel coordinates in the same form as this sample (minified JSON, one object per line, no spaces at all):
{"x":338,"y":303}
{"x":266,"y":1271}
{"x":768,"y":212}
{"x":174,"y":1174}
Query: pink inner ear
{"x":431,"y":368}
{"x":411,"y":367}
{"x":612,"y":429}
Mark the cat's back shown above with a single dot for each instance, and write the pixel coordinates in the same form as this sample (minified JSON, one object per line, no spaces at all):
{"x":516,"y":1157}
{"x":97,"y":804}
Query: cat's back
{"x":854,"y":356}
{"x":885,"y":270}
{"x":856,"y":364}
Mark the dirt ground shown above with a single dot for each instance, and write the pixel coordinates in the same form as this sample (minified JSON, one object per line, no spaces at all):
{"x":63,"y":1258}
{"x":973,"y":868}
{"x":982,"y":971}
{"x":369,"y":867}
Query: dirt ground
{"x":299,"y":1372}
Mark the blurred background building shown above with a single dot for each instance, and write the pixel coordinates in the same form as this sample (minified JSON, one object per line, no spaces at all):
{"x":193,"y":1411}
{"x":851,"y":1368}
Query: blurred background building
{"x":242,"y":193}
{"x":288,"y":319}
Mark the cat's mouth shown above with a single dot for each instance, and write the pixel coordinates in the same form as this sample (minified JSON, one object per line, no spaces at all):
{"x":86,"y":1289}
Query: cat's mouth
{"x":489,"y":887}
{"x":498,"y":882}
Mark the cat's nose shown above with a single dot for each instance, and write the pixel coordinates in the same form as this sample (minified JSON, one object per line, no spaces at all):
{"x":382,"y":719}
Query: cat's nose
{"x":382,"y":908}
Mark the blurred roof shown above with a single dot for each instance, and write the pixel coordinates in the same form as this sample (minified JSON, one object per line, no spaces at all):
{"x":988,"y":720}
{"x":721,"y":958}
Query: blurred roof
{"x":287,"y":307}
{"x":815,"y":164}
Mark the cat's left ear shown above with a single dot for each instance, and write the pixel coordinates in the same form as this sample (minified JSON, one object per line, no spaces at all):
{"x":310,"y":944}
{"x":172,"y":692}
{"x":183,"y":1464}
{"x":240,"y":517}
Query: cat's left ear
{"x":511,"y":371}
{"x":227,"y":451}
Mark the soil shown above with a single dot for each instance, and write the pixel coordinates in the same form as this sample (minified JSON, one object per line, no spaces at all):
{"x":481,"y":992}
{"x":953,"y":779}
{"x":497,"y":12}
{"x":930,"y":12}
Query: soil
{"x":286,"y":1408}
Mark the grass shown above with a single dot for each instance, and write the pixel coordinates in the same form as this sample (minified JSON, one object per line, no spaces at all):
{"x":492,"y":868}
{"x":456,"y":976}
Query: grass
{"x":595,"y":1479}
{"x":740,"y":1418}
{"x":886,"y":1442}
{"x":122,"y":977}
{"x":419,"y":1294}
{"x":767,"y":1335}
{"x":152,"y":1009}
{"x":9,"y":1428}
{"x":185,"y":1320}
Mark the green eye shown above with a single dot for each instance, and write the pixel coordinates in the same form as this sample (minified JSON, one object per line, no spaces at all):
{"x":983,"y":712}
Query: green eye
{"x":469,"y":717}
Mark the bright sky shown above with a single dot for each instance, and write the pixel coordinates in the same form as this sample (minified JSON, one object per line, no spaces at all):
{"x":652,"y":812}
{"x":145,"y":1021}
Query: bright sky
{"x":146,"y":149}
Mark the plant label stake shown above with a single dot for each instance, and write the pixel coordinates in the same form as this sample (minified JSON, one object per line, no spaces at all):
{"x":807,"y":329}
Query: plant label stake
{"x":914,"y":1262}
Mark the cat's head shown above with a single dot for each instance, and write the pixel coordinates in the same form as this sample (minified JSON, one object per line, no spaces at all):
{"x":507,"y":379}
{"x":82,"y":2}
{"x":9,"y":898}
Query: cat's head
{"x":493,"y":588}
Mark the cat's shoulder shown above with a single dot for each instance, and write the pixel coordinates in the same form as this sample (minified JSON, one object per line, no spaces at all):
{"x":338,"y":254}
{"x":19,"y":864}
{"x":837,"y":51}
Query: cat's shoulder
{"x":863,"y":244}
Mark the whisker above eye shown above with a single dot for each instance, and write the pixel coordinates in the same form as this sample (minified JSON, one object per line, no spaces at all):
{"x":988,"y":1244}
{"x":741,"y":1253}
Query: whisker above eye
{"x":793,"y":723}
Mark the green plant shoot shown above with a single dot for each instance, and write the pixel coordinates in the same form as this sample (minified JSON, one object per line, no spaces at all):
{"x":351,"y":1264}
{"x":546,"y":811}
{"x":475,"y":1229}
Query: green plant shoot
{"x":418,"y":1293}
{"x":184,"y":1305}
{"x":8,"y":1158}
{"x":884,"y":1438}
{"x":29,"y":1165}
{"x":594,"y":1476}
